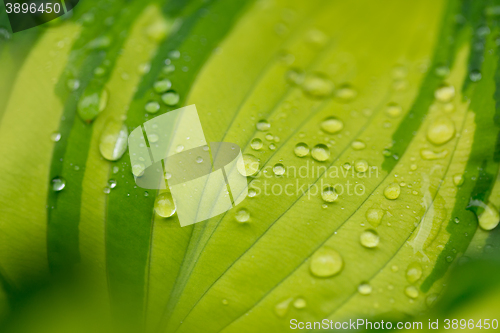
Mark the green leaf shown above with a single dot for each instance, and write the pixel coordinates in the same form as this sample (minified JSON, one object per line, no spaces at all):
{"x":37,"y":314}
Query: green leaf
{"x":409,"y":95}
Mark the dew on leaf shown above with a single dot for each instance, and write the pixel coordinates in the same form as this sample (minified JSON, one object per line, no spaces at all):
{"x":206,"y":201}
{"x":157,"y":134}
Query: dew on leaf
{"x":374,"y":216}
{"x":365,"y":289}
{"x":329,"y":194}
{"x":326,"y":262}
{"x":242,"y":215}
{"x":170,"y":98}
{"x":361,"y":165}
{"x":162,"y":85}
{"x":392,"y":191}
{"x":317,"y":86}
{"x":413,"y":272}
{"x":332,"y":125}
{"x":279,"y":169}
{"x":152,"y":107}
{"x":369,"y":238}
{"x":113,"y":140}
{"x":263,"y":125}
{"x":441,"y":130}
{"x":248,"y":165}
{"x":445,"y":93}
{"x":301,"y":149}
{"x":164,"y":205}
{"x":58,"y":184}
{"x":256,"y":144}
{"x":320,"y":152}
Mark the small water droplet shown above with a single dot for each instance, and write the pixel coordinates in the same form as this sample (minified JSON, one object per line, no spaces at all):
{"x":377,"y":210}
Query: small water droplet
{"x":263,"y":125}
{"x":279,"y":169}
{"x":329,"y":194}
{"x":248,"y":165}
{"x":281,"y":308}
{"x":428,"y":154}
{"x":393,"y":110}
{"x":374,"y":216}
{"x":445,"y":93}
{"x":138,"y":169}
{"x":162,"y":85}
{"x":361,"y":165}
{"x":369,"y":238}
{"x":179,"y":148}
{"x":199,"y":159}
{"x":170,"y":98}
{"x":256,"y":144}
{"x":152,"y":107}
{"x":358,"y":145}
{"x":158,"y":30}
{"x":58,"y":184}
{"x":317,"y":86}
{"x":112,"y":183}
{"x":345,"y":93}
{"x":365,"y":289}
{"x":411,"y":292}
{"x":73,"y":84}
{"x":242,"y":215}
{"x":299,"y":303}
{"x":152,"y":138}
{"x":252,"y":193}
{"x":320,"y":152}
{"x":295,"y":76}
{"x":113,"y":140}
{"x":55,"y":137}
{"x":458,"y":179}
{"x":164,"y":205}
{"x":332,"y":125}
{"x":392,"y":191}
{"x":475,"y":76}
{"x":413,"y":272}
{"x":326,"y":262}
{"x":301,"y":149}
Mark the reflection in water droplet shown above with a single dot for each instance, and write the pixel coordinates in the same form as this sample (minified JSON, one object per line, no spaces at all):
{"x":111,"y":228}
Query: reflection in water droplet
{"x":369,"y":238}
{"x":392,"y":191}
{"x":263,"y":125}
{"x":332,"y":125}
{"x":170,"y":98}
{"x":58,"y":184}
{"x":413,"y":272}
{"x":320,"y":152}
{"x":152,"y":107}
{"x":113,"y":141}
{"x":326,"y":262}
{"x":55,"y":137}
{"x":301,"y":149}
{"x":256,"y":144}
{"x":248,"y":165}
{"x":279,"y":169}
{"x":329,"y":194}
{"x":242,"y":215}
{"x":365,"y":289}
{"x":164,"y":205}
{"x":441,"y":130}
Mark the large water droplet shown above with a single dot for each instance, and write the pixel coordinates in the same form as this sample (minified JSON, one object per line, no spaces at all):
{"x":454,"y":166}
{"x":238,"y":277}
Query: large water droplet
{"x":329,"y":194}
{"x":369,"y":238}
{"x":445,"y":93}
{"x":113,"y":141}
{"x":392,"y":191}
{"x":332,"y":125}
{"x":242,"y":215}
{"x":152,"y":107}
{"x":248,"y":165}
{"x":320,"y":152}
{"x":301,"y":149}
{"x":318,"y":86}
{"x":458,"y":179}
{"x":55,"y":137}
{"x":326,"y":262}
{"x":489,"y":218}
{"x":164,"y":205}
{"x":256,"y":144}
{"x":374,"y":216}
{"x":162,"y":85}
{"x":441,"y":130}
{"x":58,"y":184}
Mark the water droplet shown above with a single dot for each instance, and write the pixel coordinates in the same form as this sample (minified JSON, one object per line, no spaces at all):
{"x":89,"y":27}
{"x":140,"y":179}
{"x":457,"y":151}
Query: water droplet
{"x":489,"y":218}
{"x":91,"y":104}
{"x":162,"y":86}
{"x":442,"y":71}
{"x":152,"y":107}
{"x":320,"y":152}
{"x":332,"y":125}
{"x":168,"y":69}
{"x":170,"y":98}
{"x":152,"y":138}
{"x":317,"y":86}
{"x":361,"y":165}
{"x":428,"y":154}
{"x":106,"y":190}
{"x":58,"y":184}
{"x":225,"y":302}
{"x":256,"y":144}
{"x":281,"y":308}
{"x":301,"y":149}
{"x":269,"y":137}
{"x":458,"y":179}
{"x":158,"y":30}
{"x":358,"y":145}
{"x":252,"y":193}
{"x":138,"y":169}
{"x":279,"y":169}
{"x":393,"y":110}
{"x":347,"y":166}
{"x":242,"y":215}
{"x":179,"y":148}
{"x":73,"y":84}
{"x":441,"y":130}
{"x":345,"y":93}
{"x":295,"y":76}
{"x":329,"y":194}
{"x":263,"y":125}
{"x":199,"y":159}
{"x":392,"y":191}
{"x":475,"y":76}
{"x":445,"y":93}
{"x":55,"y":137}
{"x":112,"y":183}
{"x":248,"y":165}
{"x":365,"y":289}
{"x":164,"y":205}
{"x":299,"y":303}
{"x":272,"y":146}
{"x":99,"y":43}
{"x":113,"y":141}
{"x":374,"y":216}
{"x":411,"y":292}
{"x":369,"y":238}
{"x":326,"y":262}
{"x":413,"y":272}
